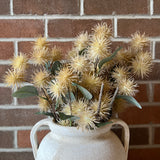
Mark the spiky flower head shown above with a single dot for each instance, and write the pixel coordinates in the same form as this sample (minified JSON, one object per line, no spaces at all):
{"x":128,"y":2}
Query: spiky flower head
{"x":102,"y":30}
{"x":120,"y":73}
{"x":124,"y":56}
{"x":40,"y":43}
{"x":65,"y":77}
{"x":20,"y":62}
{"x":142,"y":64}
{"x":127,"y":87}
{"x":87,"y":120}
{"x":14,"y":78}
{"x":139,"y":41}
{"x":81,"y":41}
{"x":64,"y":122}
{"x":79,"y":64}
{"x":99,"y":48}
{"x":56,"y":89}
{"x":90,"y":82}
{"x":40,"y":78}
{"x":40,"y":56}
{"x":104,"y":110}
{"x":43,"y":104}
{"x":55,"y":54}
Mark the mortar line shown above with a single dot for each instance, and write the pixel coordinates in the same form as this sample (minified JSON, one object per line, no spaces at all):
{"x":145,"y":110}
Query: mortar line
{"x":150,"y":135}
{"x":11,"y":7}
{"x":81,"y":7}
{"x":153,"y":50}
{"x":15,"y":149}
{"x":115,"y":26}
{"x":144,"y":146}
{"x":46,"y":28}
{"x":151,"y":7}
{"x":15,"y":139}
{"x":151,"y":92}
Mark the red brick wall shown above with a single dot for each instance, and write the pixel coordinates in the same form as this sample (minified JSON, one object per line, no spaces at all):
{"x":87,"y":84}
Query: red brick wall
{"x":60,"y":21}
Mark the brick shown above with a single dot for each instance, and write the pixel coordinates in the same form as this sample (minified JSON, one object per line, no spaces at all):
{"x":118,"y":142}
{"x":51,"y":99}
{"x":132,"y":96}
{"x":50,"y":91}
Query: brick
{"x":71,"y":28}
{"x":146,"y":115}
{"x":156,"y":135}
{"x":6,"y":139}
{"x":26,"y":47}
{"x":16,"y":156}
{"x":142,"y":95}
{"x":7,"y":50}
{"x":21,"y":28}
{"x":156,"y":92}
{"x":5,"y":97}
{"x":157,"y":50}
{"x":144,"y":154}
{"x":139,"y":136}
{"x":4,"y":7}
{"x":156,"y":6}
{"x":41,"y":7}
{"x":19,"y":117}
{"x":24,"y":138}
{"x":3,"y":69}
{"x":27,"y":101}
{"x":126,"y":27}
{"x":104,"y":7}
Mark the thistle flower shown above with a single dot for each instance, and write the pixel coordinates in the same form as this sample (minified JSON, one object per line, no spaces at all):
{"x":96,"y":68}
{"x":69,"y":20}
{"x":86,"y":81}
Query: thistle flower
{"x":20,"y":62}
{"x":142,"y":64}
{"x":99,"y":48}
{"x":120,"y":73}
{"x":43,"y":104}
{"x":65,"y":77}
{"x":40,"y":43}
{"x":139,"y":41}
{"x":104,"y":110}
{"x":72,"y":53}
{"x":56,"y":89}
{"x":40,"y":78}
{"x":67,"y":110}
{"x":127,"y":87}
{"x":119,"y":105}
{"x":124,"y":56}
{"x":87,"y":120}
{"x":90,"y":82}
{"x":79,"y":64}
{"x":102,"y":29}
{"x":78,"y":107}
{"x":14,"y":78}
{"x":40,"y":56}
{"x":55,"y":54}
{"x":81,"y":41}
{"x":64,"y":122}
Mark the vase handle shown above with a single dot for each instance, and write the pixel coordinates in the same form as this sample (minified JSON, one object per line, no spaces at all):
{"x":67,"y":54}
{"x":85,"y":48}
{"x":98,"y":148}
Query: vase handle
{"x":33,"y":134}
{"x":125,"y":135}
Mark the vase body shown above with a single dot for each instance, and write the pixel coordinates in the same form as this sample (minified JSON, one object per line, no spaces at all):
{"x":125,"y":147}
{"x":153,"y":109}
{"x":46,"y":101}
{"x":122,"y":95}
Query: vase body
{"x":69,"y":143}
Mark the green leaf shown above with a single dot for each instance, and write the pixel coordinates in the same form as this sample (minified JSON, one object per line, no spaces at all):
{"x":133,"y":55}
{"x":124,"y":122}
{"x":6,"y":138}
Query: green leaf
{"x":26,"y":91}
{"x":103,"y":61}
{"x":55,"y":67}
{"x":45,"y":113}
{"x":103,"y":123}
{"x":71,"y":96}
{"x":64,"y":116}
{"x":130,"y":99}
{"x":84,"y":91}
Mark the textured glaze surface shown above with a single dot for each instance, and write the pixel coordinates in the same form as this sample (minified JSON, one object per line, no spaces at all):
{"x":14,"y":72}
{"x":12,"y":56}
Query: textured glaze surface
{"x":65,"y":143}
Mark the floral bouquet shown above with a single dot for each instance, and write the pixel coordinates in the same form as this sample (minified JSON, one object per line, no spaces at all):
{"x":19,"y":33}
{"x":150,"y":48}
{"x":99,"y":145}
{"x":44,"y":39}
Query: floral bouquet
{"x":87,"y":87}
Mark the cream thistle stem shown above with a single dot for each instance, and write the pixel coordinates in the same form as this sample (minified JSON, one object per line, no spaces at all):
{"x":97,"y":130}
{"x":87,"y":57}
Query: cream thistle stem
{"x":100,"y":99}
{"x":48,"y":99}
{"x":114,"y":96}
{"x":95,"y":66}
{"x":69,"y":100}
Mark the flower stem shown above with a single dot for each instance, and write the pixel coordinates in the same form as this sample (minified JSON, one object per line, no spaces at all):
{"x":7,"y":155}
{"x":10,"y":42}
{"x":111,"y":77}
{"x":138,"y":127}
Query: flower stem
{"x":114,"y":96}
{"x":100,"y":99}
{"x":70,"y":100}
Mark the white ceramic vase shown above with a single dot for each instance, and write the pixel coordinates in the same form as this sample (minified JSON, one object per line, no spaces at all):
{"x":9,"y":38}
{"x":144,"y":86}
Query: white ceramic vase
{"x":70,"y":143}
